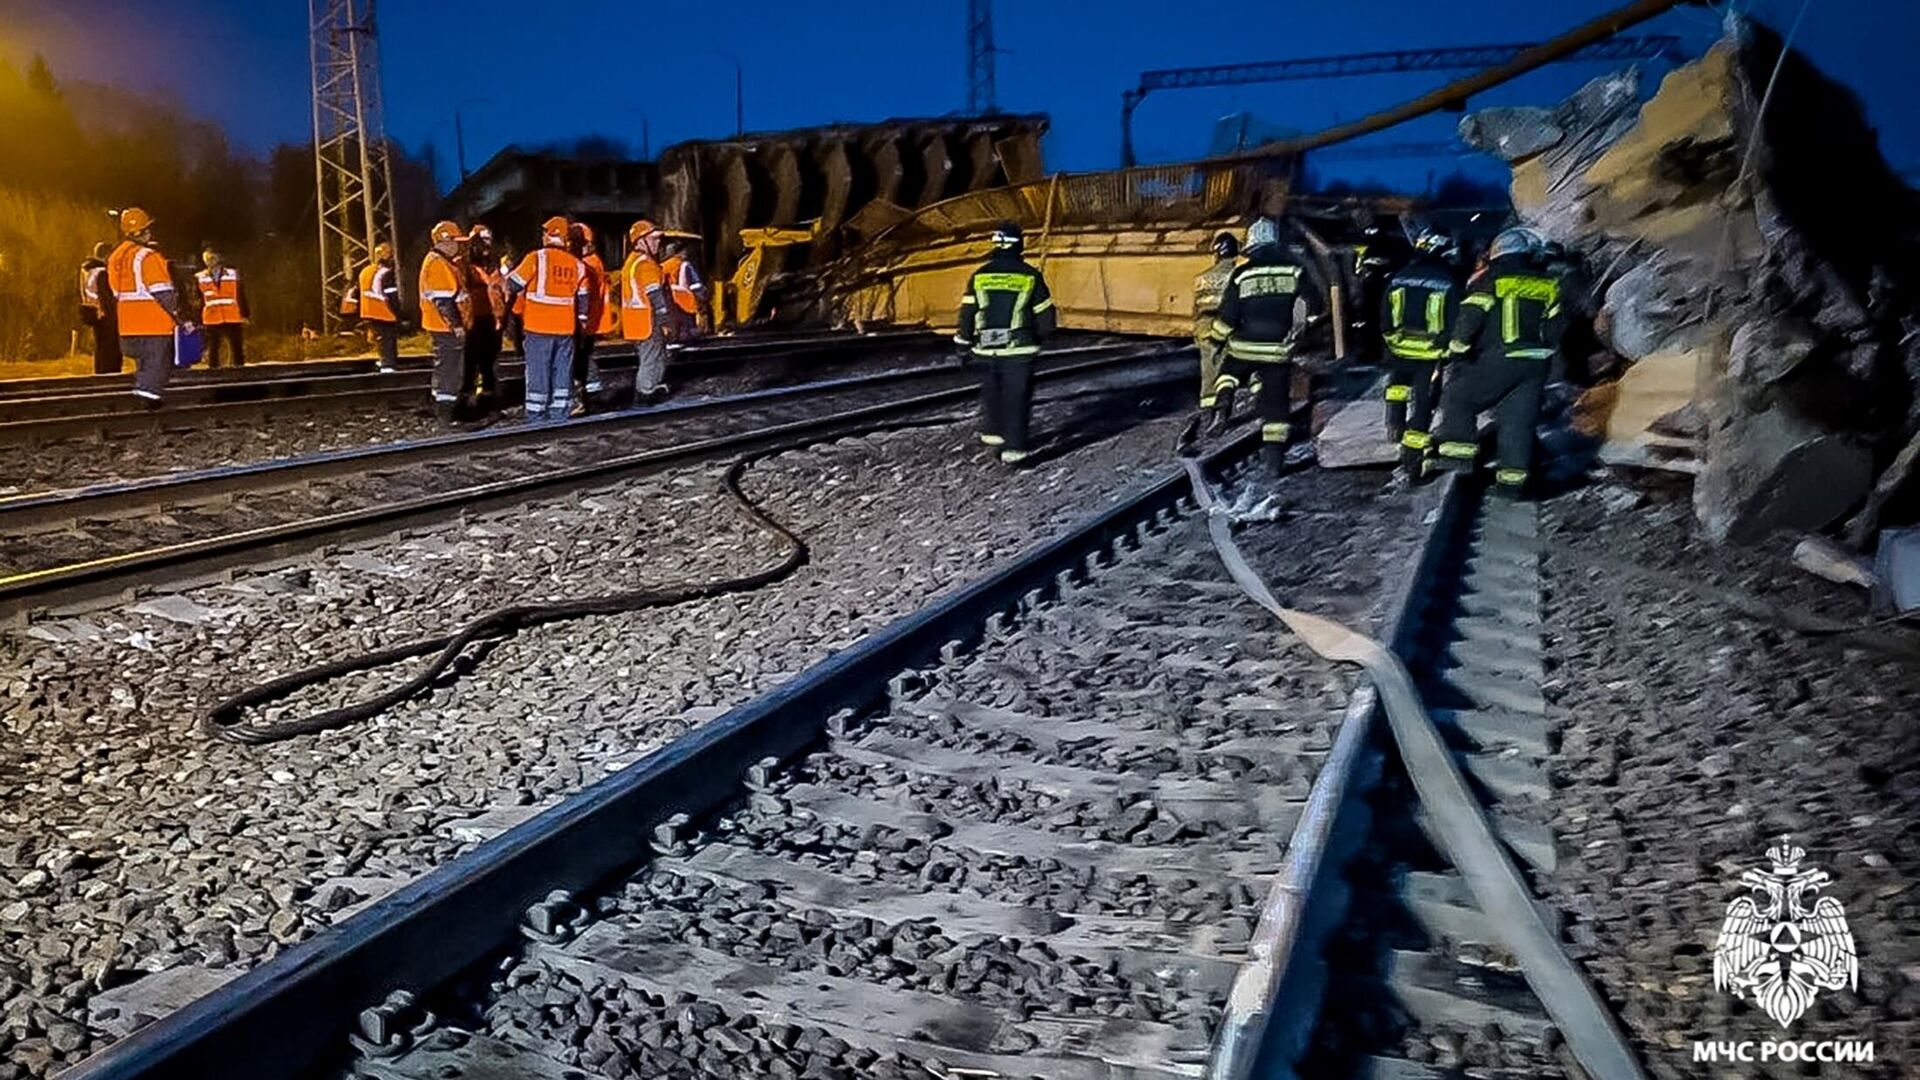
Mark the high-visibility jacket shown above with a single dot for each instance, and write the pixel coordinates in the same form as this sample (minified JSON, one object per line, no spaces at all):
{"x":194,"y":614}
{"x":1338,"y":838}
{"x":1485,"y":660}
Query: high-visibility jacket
{"x":599,"y":312}
{"x":139,"y":276}
{"x":377,"y":290}
{"x":553,"y":279}
{"x":1208,"y":286}
{"x":1418,"y":308}
{"x":442,"y":280}
{"x":683,"y":281}
{"x":220,"y":298}
{"x":640,"y":293}
{"x":486,"y":294}
{"x":1511,"y":309}
{"x":611,"y":322}
{"x":1006,"y":309}
{"x":1267,"y":301}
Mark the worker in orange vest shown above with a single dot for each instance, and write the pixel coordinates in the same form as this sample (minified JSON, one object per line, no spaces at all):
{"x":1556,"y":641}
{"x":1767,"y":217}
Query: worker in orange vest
{"x":223,"y":309}
{"x":553,"y":283}
{"x":97,"y":311}
{"x":380,"y":304}
{"x":148,"y":308}
{"x":487,"y":292}
{"x":645,"y":308}
{"x":688,"y":288}
{"x":586,"y":373}
{"x":444,"y":310}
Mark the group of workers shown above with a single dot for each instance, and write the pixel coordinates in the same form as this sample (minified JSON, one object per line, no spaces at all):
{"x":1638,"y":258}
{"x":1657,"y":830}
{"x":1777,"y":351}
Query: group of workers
{"x":1455,"y":343}
{"x":558,"y":301}
{"x":128,"y":301}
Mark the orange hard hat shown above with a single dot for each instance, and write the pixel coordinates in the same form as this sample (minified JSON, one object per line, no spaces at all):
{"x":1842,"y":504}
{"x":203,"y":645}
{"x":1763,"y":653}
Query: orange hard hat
{"x":382,"y":251}
{"x":446,"y":230}
{"x":554,"y":226}
{"x":479,"y":232}
{"x":641,"y":228}
{"x":134,"y":220}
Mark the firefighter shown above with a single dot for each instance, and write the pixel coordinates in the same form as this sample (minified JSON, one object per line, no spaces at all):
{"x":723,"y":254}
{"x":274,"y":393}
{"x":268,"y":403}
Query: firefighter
{"x":444,"y":312}
{"x":1005,"y":314}
{"x":148,"y":310}
{"x":487,"y":298}
{"x":1270,"y":301}
{"x":586,"y":373}
{"x":552,"y":282}
{"x":1505,"y":348}
{"x":645,"y":308}
{"x":223,"y":309}
{"x":688,"y":290}
{"x":1417,"y":312}
{"x":97,"y":311}
{"x":1206,"y":305}
{"x":379,"y":305}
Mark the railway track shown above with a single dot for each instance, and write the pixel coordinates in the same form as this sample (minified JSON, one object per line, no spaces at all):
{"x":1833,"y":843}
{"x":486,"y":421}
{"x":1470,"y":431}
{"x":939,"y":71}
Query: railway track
{"x":42,"y":410}
{"x":1092,"y":816}
{"x":71,"y":548}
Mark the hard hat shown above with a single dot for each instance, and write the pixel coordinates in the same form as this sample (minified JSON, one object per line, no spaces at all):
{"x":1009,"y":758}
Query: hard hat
{"x":584,"y":231}
{"x":1226,"y":244}
{"x":1431,"y":242}
{"x":1518,"y":240}
{"x":382,"y":251}
{"x":445,"y":231}
{"x":639,"y":229}
{"x":480,"y":232}
{"x":134,"y":220}
{"x":555,"y":226}
{"x":1007,"y":235}
{"x":1264,"y":231}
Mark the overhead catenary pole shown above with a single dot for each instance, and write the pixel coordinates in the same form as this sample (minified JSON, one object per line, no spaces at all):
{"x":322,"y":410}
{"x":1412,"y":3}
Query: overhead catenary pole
{"x":353,"y":168}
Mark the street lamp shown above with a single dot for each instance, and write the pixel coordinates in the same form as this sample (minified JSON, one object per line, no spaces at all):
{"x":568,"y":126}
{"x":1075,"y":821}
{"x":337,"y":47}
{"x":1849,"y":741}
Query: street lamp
{"x":460,"y":131}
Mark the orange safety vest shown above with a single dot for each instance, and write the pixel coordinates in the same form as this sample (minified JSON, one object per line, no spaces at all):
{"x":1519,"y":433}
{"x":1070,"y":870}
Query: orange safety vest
{"x":137,"y":274}
{"x":440,"y":280}
{"x":373,"y":303}
{"x":483,"y":295}
{"x":639,"y":277}
{"x":679,"y":275}
{"x":599,"y":312}
{"x":552,"y":277}
{"x":220,"y":300}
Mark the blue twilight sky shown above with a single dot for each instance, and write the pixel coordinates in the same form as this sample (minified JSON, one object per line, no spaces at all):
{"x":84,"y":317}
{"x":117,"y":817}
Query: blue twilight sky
{"x":557,"y":74}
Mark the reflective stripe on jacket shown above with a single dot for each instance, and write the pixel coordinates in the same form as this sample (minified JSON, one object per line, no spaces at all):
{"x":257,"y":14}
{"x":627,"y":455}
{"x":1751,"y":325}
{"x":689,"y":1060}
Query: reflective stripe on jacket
{"x":220,"y":298}
{"x":553,"y":279}
{"x":377,"y":290}
{"x":1006,"y":310}
{"x":441,"y":280}
{"x":138,"y":275}
{"x":641,"y":282}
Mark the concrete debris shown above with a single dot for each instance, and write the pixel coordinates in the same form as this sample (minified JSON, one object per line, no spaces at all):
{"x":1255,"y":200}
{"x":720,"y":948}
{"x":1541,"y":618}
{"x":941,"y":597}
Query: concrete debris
{"x":1355,"y":436}
{"x":178,"y":609}
{"x":1766,"y":317}
{"x":65,"y":630}
{"x":126,"y":1009}
{"x":1823,"y":558}
{"x":491,"y":823}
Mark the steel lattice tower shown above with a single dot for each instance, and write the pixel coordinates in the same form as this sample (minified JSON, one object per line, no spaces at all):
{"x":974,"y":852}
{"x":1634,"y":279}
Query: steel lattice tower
{"x":980,"y":89}
{"x":353,"y":174}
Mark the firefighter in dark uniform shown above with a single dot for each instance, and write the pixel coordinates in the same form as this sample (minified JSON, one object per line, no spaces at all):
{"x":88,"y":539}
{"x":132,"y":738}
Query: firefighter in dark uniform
{"x":1270,"y":300}
{"x":1505,"y":349}
{"x":1004,"y":316}
{"x":1417,"y":313}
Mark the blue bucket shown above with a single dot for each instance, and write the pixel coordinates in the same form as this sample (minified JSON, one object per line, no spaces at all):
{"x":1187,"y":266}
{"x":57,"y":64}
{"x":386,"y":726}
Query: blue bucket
{"x":189,"y":346}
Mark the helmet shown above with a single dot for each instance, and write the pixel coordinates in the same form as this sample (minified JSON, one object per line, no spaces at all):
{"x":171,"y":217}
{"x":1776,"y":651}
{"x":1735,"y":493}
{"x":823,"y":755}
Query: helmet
{"x":445,"y":231}
{"x":480,"y":233}
{"x":640,"y":229}
{"x":134,"y":220}
{"x":1262,"y":232}
{"x":1007,"y":237}
{"x":554,"y":228}
{"x":382,"y":251}
{"x":581,"y":232}
{"x":1226,"y":245}
{"x":1518,"y":240}
{"x":1431,"y":242}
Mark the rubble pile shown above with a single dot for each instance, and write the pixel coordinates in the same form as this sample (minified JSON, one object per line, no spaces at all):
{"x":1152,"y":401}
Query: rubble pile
{"x":1755,"y":264}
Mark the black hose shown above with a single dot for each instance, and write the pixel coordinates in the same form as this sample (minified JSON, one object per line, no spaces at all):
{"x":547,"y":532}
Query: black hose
{"x":223,"y":721}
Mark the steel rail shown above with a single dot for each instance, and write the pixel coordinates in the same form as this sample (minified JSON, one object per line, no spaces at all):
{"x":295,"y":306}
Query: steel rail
{"x":46,"y":509}
{"x":195,"y":560}
{"x":290,"y":1017}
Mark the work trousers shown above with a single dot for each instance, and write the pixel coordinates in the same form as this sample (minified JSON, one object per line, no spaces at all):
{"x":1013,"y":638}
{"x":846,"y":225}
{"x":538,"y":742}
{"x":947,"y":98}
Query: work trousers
{"x":1508,"y":388}
{"x":387,"y":339}
{"x":586,"y":373}
{"x":1006,"y":401}
{"x":152,"y":363}
{"x":650,"y":368}
{"x":449,"y":365}
{"x":549,"y":375}
{"x":106,"y":348}
{"x":480,"y":372}
{"x":1413,"y":387}
{"x":1212,"y":352}
{"x":223,"y":340}
{"x":1271,"y":382}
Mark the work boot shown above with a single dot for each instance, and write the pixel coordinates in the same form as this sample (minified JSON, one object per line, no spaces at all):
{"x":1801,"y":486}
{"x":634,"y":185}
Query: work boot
{"x":1013,"y":457}
{"x":1222,"y":413}
{"x":443,"y":415}
{"x":1274,"y":457}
